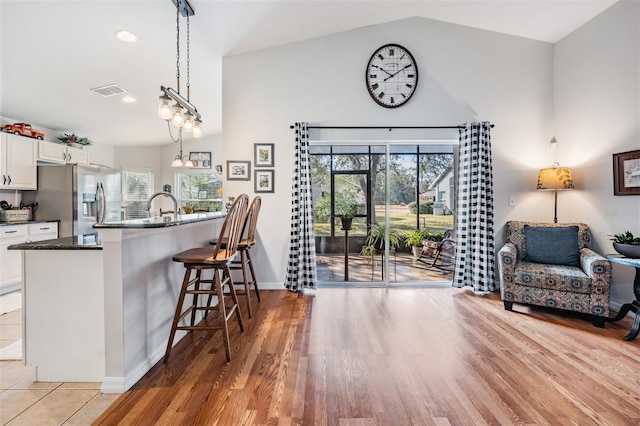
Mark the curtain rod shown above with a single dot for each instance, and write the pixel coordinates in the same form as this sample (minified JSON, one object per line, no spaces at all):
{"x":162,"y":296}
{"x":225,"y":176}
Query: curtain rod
{"x":385,"y":127}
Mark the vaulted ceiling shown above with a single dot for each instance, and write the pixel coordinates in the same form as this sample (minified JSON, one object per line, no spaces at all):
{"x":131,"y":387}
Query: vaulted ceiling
{"x":54,"y":52}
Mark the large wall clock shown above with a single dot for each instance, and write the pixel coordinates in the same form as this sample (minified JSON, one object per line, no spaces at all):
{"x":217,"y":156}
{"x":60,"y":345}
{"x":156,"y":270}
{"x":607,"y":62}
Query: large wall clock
{"x":392,"y":75}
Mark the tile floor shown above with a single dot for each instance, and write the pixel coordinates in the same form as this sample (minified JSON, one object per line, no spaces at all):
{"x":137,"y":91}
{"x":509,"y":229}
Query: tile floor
{"x":25,"y":402}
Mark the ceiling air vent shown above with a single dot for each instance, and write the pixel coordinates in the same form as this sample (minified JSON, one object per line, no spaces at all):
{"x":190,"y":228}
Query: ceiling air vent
{"x":109,"y":90}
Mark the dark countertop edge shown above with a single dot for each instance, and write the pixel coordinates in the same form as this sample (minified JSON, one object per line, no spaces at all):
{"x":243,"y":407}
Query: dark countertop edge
{"x":26,"y":222}
{"x":155,"y":222}
{"x":65,"y":243}
{"x":71,"y":243}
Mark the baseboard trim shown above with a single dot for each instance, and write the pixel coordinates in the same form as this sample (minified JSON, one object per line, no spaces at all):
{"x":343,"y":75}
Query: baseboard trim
{"x":112,"y":385}
{"x":271,"y":286}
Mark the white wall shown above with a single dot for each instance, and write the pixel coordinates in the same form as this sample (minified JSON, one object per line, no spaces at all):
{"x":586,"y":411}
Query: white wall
{"x":159,"y":158}
{"x":465,"y":75}
{"x":597,"y":105}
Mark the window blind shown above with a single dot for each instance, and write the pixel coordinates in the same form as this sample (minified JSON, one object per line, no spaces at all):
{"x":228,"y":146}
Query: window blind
{"x":137,"y":187}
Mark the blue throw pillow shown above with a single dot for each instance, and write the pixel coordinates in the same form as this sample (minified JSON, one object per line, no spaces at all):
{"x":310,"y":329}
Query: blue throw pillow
{"x":557,"y":245}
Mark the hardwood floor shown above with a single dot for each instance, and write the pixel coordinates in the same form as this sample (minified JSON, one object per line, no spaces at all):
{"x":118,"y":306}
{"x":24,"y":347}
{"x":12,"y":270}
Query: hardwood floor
{"x":396,"y":356}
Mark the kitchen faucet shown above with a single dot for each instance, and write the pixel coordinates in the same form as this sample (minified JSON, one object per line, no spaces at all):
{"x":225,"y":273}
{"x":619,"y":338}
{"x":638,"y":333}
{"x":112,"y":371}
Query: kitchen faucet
{"x":147,"y":206}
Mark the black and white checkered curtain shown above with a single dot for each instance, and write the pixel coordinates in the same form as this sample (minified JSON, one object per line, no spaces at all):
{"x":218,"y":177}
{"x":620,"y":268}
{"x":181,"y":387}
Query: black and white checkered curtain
{"x":301,"y":270}
{"x":475,"y":257}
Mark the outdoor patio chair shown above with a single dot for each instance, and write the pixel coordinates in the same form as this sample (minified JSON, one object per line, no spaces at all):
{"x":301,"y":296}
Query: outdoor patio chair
{"x":439,"y":254}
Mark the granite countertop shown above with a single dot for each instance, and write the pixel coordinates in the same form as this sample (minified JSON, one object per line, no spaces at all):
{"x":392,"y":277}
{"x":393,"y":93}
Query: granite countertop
{"x":92,"y":241}
{"x":26,"y":222}
{"x":160,"y":222}
{"x":77,"y":242}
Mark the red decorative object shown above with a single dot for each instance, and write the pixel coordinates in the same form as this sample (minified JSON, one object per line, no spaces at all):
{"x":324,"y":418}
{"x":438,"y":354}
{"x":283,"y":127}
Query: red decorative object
{"x":23,"y":129}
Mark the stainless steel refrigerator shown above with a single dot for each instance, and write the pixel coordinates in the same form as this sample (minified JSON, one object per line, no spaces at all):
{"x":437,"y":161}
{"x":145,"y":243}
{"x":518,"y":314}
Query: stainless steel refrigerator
{"x":72,"y":194}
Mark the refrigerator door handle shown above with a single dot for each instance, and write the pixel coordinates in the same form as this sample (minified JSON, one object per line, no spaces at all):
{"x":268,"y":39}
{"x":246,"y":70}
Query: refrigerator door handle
{"x":101,"y":208}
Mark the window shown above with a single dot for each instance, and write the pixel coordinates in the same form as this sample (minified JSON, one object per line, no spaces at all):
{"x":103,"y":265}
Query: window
{"x":198,"y":192}
{"x":137,"y":187}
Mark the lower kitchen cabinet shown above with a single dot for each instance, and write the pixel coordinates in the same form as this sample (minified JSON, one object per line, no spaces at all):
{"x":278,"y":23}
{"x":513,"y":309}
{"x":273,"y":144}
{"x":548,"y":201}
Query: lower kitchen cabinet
{"x":11,"y":260}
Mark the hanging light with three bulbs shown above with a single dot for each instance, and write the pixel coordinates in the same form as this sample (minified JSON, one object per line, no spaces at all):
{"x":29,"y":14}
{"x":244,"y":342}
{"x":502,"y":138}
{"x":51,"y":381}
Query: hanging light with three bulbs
{"x":172,"y":106}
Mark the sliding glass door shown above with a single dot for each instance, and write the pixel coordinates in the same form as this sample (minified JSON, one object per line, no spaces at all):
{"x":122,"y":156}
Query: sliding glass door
{"x":386,"y":193}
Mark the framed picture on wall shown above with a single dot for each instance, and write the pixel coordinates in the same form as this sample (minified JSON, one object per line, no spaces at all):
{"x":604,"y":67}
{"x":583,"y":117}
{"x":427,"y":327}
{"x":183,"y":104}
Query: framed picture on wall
{"x":626,"y":173}
{"x":263,"y":154}
{"x":200,"y":160}
{"x":263,"y":180}
{"x":238,"y":170}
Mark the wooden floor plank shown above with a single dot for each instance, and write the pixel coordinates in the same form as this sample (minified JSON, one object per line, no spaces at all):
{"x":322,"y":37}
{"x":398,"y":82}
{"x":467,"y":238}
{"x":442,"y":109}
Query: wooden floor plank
{"x":399,"y":356}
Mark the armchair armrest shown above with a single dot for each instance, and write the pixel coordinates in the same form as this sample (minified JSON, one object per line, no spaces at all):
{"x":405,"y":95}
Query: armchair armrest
{"x":594,"y":264}
{"x":507,"y":257}
{"x":598,"y":268}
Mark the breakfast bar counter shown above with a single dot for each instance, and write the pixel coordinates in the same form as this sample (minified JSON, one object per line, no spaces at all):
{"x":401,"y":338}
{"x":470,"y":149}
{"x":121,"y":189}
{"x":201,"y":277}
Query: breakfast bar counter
{"x":101,"y":311}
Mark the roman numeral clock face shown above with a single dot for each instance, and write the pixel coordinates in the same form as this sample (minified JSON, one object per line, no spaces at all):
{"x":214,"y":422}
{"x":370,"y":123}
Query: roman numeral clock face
{"x":392,"y":76}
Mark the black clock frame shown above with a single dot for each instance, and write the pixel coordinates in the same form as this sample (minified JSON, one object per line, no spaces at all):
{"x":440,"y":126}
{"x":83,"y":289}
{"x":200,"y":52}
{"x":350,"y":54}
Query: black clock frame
{"x":372,"y":94}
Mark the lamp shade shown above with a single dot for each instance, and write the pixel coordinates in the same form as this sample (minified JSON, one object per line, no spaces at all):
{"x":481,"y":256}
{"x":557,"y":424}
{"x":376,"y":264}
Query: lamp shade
{"x":188,"y":122}
{"x":178,"y":116}
{"x":164,"y":107}
{"x":555,"y":178}
{"x":177,"y":162}
{"x":197,"y":128}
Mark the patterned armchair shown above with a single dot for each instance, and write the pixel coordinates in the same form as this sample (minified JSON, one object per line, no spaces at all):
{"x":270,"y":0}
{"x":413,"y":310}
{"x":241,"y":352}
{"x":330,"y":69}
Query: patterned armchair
{"x":580,"y":285}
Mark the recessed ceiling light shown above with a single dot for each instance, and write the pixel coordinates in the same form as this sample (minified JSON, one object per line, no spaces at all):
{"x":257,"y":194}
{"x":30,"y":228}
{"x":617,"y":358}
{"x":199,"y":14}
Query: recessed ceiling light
{"x":128,"y":99}
{"x":126,"y":36}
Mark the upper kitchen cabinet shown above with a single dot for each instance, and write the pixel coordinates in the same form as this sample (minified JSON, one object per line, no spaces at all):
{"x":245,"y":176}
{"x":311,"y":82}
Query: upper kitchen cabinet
{"x":61,"y":154}
{"x":18,"y":164}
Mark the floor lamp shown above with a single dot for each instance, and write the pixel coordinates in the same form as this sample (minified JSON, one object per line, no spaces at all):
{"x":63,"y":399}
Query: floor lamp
{"x":555,"y":178}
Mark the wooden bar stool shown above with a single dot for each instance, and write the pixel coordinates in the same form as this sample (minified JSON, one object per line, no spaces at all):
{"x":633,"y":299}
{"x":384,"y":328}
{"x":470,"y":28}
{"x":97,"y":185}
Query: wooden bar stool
{"x":247,"y":241}
{"x":217,"y":259}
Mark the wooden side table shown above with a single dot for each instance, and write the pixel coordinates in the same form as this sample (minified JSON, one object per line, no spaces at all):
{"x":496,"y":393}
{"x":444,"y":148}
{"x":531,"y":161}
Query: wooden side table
{"x":635,"y":305}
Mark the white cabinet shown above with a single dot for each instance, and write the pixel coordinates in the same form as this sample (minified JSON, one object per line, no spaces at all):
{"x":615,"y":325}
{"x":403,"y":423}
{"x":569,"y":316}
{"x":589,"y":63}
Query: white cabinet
{"x":18,"y":164}
{"x":43,"y":231}
{"x":52,"y":152}
{"x":77,"y":156}
{"x":61,"y":154}
{"x":11,"y":260}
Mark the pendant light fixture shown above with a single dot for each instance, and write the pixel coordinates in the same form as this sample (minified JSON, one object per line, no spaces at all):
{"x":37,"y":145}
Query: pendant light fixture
{"x":172,"y":106}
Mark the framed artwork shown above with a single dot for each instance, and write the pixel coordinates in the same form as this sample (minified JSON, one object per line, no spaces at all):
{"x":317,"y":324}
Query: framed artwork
{"x":626,"y":173}
{"x":200,"y":160}
{"x":238,"y":170}
{"x":218,"y":168}
{"x":263,"y":154}
{"x":263,"y":180}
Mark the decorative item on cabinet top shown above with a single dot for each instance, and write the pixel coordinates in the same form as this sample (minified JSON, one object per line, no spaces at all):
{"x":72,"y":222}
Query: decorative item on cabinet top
{"x":73,"y":140}
{"x":23,"y":129}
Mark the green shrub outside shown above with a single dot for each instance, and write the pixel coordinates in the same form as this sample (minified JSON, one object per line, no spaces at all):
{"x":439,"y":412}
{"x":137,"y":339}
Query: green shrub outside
{"x":322,"y":209}
{"x":426,"y":207}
